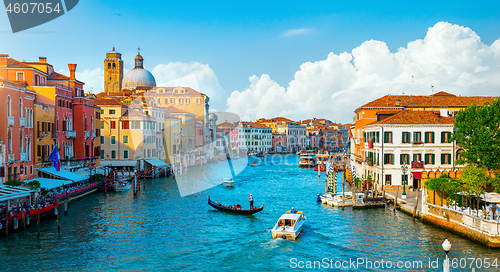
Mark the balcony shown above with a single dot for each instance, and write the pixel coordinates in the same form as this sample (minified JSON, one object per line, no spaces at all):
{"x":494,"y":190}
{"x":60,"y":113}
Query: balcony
{"x":417,"y":164}
{"x":22,"y":122}
{"x":24,"y":157}
{"x":70,"y":133}
{"x":93,"y":134}
{"x":417,"y":142}
{"x":41,"y":134}
{"x":54,"y":135}
{"x":11,"y":157}
{"x":87,"y":134}
{"x":10,"y":120}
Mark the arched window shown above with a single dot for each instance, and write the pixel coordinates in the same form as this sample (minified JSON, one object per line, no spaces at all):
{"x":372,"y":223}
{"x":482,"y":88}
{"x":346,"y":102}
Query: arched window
{"x":9,"y":106}
{"x":9,"y":141}
{"x":109,"y":65}
{"x":92,"y":122}
{"x":114,"y":65}
{"x":20,"y":141}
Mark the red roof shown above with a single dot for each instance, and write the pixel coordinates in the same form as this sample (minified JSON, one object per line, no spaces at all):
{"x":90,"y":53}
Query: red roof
{"x":438,"y":100}
{"x":107,"y":102}
{"x":225,"y":124}
{"x":57,"y":76}
{"x":416,"y":118}
{"x":172,"y":109}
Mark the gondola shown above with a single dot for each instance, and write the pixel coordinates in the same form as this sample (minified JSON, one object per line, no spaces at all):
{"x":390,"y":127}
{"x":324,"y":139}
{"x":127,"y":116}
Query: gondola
{"x":230,"y":210}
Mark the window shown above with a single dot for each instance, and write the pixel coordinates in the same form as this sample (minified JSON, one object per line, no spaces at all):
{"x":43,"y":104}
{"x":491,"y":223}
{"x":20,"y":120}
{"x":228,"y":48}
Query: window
{"x":430,"y":159}
{"x":404,"y":159}
{"x":102,"y":140}
{"x":417,"y":157}
{"x":445,"y":137}
{"x":388,"y":180}
{"x":113,"y":140}
{"x":113,"y":154}
{"x":406,"y":138}
{"x":459,"y":154}
{"x":429,"y":137}
{"x":125,"y":125}
{"x":404,"y":179}
{"x":198,"y":101}
{"x":172,"y":101}
{"x":136,"y":124}
{"x":113,"y":124}
{"x":125,"y":139}
{"x":181,"y":101}
{"x":102,"y":124}
{"x":102,"y":154}
{"x":9,"y":106}
{"x":20,"y":76}
{"x":387,"y":137}
{"x":112,"y":111}
{"x":417,"y":137}
{"x":445,"y":158}
{"x":166,"y":100}
{"x":388,"y":158}
{"x":102,"y":111}
{"x":114,"y":65}
{"x":188,"y":101}
{"x":125,"y":154}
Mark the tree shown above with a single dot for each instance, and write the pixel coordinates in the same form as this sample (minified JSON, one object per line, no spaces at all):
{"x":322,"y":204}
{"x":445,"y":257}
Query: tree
{"x":439,"y":184}
{"x":477,"y":132}
{"x":475,"y":180}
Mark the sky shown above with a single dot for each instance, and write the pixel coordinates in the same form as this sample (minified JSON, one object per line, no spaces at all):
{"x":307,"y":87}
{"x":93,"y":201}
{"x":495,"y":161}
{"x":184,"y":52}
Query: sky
{"x":279,"y":58}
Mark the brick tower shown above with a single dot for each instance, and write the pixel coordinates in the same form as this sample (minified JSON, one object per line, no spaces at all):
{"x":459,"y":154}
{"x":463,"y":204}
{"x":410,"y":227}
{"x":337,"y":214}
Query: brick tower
{"x":113,"y":72}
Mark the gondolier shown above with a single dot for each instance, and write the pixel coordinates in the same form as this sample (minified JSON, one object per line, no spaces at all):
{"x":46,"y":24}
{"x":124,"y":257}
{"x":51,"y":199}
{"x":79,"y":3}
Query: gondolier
{"x":250,"y":199}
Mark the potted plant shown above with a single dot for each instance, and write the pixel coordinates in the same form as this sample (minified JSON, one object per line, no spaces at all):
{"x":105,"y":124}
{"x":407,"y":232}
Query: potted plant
{"x":411,"y":188}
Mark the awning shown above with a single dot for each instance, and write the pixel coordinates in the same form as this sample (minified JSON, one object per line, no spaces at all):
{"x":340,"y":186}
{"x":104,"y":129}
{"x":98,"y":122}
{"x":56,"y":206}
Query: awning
{"x":131,"y":163}
{"x":156,"y":162}
{"x":85,"y":172}
{"x":491,"y":197}
{"x":49,"y":184}
{"x":417,"y":175}
{"x":13,"y":192}
{"x":65,"y":174}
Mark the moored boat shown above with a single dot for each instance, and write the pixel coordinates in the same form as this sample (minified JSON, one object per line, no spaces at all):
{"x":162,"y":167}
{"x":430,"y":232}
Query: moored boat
{"x":228,"y":182}
{"x":307,"y":158}
{"x":121,"y":186}
{"x":322,"y":168}
{"x":229,"y":209}
{"x":289,"y":225}
{"x":254,"y":163}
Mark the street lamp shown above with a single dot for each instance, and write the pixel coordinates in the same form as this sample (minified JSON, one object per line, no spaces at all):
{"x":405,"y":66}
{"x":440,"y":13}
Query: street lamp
{"x":446,"y":246}
{"x":404,"y":168}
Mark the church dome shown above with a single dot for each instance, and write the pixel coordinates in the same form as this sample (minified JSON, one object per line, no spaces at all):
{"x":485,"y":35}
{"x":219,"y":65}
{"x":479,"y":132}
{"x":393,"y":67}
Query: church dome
{"x":138,"y":77}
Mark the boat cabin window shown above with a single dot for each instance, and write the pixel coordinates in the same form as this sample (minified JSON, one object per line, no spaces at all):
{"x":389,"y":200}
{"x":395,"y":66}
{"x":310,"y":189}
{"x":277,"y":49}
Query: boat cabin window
{"x":286,"y":223}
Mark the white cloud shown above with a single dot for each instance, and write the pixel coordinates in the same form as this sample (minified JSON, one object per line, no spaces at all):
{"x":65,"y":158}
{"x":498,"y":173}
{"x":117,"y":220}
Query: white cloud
{"x":296,"y":32}
{"x":450,"y":57}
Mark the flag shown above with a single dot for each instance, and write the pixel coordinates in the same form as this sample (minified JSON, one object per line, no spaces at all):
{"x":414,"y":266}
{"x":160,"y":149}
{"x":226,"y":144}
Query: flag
{"x":54,"y":157}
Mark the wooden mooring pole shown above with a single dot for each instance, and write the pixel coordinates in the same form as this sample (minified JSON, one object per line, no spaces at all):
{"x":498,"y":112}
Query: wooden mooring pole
{"x":58,"y":217}
{"x":416,"y":205}
{"x":7,"y":220}
{"x":396,"y":199}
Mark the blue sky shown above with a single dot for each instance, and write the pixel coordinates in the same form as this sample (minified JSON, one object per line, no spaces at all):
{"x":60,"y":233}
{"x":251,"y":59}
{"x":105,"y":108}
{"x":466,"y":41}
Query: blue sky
{"x":237,"y":39}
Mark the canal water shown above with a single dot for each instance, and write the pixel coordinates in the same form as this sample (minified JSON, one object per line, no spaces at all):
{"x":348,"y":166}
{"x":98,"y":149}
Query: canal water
{"x":159,"y":230}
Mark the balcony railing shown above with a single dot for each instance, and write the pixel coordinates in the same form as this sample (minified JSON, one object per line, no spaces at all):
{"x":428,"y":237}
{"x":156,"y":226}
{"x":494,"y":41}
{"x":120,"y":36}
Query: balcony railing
{"x":41,"y":134}
{"x":87,"y":134}
{"x":417,"y":142}
{"x":10,"y":120}
{"x":22,"y":122}
{"x":70,"y":133}
{"x":12,"y":157}
{"x":417,"y":164}
{"x":24,"y":157}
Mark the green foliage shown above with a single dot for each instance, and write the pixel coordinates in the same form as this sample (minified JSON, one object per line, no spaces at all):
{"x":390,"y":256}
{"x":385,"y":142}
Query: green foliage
{"x":477,"y":131}
{"x":13,"y":182}
{"x":99,"y":177}
{"x":444,"y":184}
{"x":475,"y":180}
{"x":35,"y":184}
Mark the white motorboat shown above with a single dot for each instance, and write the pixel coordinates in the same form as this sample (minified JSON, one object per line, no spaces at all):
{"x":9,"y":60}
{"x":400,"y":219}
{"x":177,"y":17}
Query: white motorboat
{"x":228,"y":182}
{"x":289,"y":226}
{"x":121,"y":186}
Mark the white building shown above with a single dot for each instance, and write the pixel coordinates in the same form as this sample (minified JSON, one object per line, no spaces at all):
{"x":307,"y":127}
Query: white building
{"x":296,"y":136}
{"x":418,"y":140}
{"x":255,"y":137}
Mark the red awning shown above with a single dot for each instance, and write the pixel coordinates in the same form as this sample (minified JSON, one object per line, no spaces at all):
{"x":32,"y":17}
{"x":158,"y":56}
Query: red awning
{"x":417,"y":175}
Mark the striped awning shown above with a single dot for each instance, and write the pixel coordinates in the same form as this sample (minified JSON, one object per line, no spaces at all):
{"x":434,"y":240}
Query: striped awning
{"x":13,"y":192}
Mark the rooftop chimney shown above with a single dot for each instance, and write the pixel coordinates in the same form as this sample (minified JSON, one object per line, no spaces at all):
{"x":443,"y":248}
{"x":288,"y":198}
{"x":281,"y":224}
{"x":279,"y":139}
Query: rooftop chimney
{"x":3,"y":60}
{"x":72,"y":69}
{"x":42,"y":59}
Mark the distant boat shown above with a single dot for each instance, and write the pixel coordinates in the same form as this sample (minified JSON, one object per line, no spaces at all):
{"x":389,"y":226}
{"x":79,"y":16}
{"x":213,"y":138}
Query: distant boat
{"x":289,"y":225}
{"x":260,"y":154}
{"x":121,"y":186}
{"x":228,"y":182}
{"x":307,"y":158}
{"x":221,"y":207}
{"x":254,"y":163}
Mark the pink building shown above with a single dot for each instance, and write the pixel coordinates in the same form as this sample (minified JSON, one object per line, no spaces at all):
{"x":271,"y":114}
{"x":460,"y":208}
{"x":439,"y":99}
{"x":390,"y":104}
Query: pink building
{"x":279,"y":142}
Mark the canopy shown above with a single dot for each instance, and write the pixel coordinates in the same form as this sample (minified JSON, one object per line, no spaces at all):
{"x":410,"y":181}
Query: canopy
{"x":49,"y":184}
{"x":85,"y":172}
{"x":13,"y":192}
{"x":156,"y":162}
{"x":65,"y":174}
{"x":417,"y":175}
{"x":491,"y":197}
{"x":131,"y":163}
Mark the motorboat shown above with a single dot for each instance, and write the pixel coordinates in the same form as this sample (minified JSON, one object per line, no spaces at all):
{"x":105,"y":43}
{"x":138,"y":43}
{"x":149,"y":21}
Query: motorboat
{"x":307,"y":158}
{"x":254,"y":163}
{"x":321,"y":168}
{"x":229,"y":209}
{"x":335,"y":200}
{"x":260,"y":154}
{"x":227,"y":182}
{"x":289,"y":225}
{"x":121,"y":186}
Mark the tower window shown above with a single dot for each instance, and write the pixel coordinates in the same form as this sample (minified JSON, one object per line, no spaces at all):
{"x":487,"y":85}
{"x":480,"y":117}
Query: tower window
{"x":114,"y":65}
{"x":109,"y":65}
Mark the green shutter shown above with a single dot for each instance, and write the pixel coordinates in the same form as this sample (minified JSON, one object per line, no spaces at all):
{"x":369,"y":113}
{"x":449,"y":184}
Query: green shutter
{"x":449,"y":158}
{"x":433,"y":158}
{"x":442,"y":158}
{"x":426,"y":158}
{"x":401,"y":159}
{"x":432,"y":134}
{"x":392,"y":159}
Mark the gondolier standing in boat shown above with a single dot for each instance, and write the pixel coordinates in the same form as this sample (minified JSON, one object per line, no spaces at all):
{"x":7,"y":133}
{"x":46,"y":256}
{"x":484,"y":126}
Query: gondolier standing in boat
{"x":250,"y":199}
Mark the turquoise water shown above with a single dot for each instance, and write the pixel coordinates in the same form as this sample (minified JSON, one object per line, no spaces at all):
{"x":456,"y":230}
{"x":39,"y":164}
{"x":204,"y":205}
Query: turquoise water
{"x":158,"y":230}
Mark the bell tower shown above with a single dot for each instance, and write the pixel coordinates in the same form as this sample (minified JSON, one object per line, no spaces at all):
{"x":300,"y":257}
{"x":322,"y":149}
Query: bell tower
{"x":113,"y":72}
